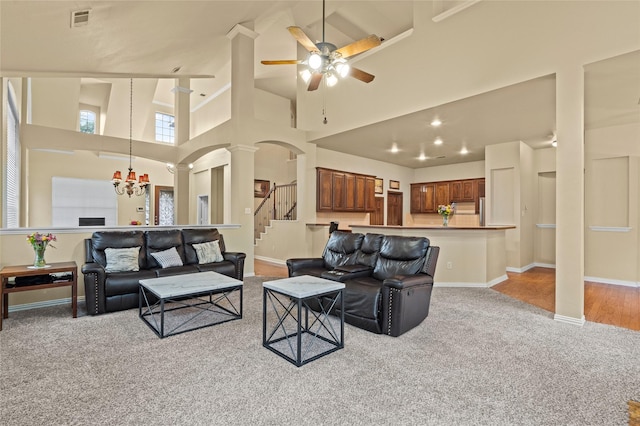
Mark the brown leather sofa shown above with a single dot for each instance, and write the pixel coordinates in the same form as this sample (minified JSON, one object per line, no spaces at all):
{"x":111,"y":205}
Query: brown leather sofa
{"x":388,"y":279}
{"x":116,"y":291}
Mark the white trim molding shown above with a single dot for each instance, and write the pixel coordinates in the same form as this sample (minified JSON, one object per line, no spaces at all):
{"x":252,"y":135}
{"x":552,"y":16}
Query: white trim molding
{"x":521,"y":270}
{"x":546,"y":225}
{"x":472,"y":285}
{"x":43,"y":304}
{"x":270,"y":260}
{"x":569,"y":320}
{"x":610,"y":228}
{"x":612,"y":282}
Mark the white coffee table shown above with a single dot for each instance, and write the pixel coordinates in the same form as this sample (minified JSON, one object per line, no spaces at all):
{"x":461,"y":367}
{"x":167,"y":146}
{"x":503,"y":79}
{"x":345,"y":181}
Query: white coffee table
{"x":290,"y":338}
{"x":195,"y":301}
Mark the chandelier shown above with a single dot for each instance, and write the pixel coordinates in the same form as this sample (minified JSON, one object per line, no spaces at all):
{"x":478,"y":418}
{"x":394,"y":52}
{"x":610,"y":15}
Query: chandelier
{"x":130,"y":186}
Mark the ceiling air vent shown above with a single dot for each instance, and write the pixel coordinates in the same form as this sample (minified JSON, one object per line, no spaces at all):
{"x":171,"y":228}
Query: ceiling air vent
{"x":79,"y":18}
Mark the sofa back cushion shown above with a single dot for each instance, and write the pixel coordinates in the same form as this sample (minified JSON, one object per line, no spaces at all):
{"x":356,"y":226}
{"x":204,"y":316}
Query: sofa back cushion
{"x":159,"y":241}
{"x":400,"y":256}
{"x":342,"y":248}
{"x":102,"y":240}
{"x":370,"y":249}
{"x":197,"y":236}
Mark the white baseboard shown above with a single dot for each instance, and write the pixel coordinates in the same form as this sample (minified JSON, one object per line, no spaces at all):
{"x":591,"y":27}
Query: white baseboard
{"x":43,"y":304}
{"x":569,"y":320}
{"x":521,"y":270}
{"x":545,"y":265}
{"x":472,"y":285}
{"x":271,"y":260}
{"x":613,"y":282}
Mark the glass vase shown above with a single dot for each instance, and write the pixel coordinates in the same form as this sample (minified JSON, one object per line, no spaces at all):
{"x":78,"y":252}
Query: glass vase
{"x":445,"y":220}
{"x":39,"y":261}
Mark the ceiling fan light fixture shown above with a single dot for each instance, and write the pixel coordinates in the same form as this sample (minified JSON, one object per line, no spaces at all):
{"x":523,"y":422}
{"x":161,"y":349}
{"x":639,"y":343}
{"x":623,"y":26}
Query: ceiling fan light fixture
{"x":315,"y":61}
{"x":342,"y":68}
{"x":305,"y":75}
{"x":332,"y":80}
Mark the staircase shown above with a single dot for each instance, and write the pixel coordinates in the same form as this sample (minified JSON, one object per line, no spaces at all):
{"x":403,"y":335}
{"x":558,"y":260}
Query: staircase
{"x":279,"y":204}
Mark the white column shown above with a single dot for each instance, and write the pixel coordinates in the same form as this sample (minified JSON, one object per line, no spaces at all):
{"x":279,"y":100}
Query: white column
{"x":182,"y":93}
{"x":570,"y":195}
{"x":181,"y":195}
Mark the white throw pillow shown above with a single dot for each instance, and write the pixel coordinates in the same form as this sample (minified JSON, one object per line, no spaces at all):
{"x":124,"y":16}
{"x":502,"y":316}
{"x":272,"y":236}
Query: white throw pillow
{"x":168,"y":258}
{"x":208,"y":252}
{"x":122,"y":259}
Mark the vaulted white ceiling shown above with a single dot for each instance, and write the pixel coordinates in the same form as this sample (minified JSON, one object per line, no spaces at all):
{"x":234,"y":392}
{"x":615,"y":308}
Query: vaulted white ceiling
{"x":153,"y":39}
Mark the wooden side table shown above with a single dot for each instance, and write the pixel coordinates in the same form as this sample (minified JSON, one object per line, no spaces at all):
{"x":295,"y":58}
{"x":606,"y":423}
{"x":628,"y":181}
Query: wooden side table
{"x":25,"y":271}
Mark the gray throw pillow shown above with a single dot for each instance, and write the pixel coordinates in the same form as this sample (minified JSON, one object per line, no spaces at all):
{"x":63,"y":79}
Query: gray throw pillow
{"x":208,"y":252}
{"x":122,"y":259}
{"x":168,"y":258}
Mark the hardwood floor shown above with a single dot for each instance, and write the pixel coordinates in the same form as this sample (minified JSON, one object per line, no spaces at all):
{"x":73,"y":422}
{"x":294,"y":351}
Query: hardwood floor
{"x":603,"y":303}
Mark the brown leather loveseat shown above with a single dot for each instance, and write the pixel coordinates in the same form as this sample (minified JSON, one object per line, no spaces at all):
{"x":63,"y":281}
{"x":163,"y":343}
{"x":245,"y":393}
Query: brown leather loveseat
{"x":388,"y":279}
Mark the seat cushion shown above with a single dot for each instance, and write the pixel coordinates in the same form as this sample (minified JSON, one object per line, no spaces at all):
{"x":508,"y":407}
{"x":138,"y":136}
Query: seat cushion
{"x":119,"y":283}
{"x":177,"y":270}
{"x":225,"y":267}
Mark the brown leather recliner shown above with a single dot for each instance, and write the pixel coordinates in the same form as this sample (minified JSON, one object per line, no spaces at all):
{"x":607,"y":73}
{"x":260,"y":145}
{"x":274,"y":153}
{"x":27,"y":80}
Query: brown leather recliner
{"x":388,"y":279}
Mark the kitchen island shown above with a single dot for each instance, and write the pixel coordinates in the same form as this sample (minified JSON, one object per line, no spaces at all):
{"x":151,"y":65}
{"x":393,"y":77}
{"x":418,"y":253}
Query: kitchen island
{"x":470,"y":256}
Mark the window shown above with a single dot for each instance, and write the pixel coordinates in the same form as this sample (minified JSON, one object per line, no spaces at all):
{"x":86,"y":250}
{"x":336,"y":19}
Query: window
{"x":164,"y":127}
{"x":87,"y":121}
{"x":12,"y":178}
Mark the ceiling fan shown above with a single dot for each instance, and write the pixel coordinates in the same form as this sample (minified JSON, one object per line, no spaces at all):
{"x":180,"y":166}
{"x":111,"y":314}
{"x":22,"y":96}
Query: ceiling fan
{"x":325,"y":59}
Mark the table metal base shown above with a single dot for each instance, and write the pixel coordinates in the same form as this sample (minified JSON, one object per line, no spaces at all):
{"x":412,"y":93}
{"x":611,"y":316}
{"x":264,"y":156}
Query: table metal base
{"x":302,"y":342}
{"x":191,"y":312}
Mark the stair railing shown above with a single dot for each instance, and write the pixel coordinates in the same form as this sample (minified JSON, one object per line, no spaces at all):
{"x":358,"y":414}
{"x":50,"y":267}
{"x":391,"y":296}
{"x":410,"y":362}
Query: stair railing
{"x":280,"y":203}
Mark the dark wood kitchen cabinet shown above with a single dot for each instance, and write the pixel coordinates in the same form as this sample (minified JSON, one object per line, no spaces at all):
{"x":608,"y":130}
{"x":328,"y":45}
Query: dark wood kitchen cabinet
{"x":339,"y":191}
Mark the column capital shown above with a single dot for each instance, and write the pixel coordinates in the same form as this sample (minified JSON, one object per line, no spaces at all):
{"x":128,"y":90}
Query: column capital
{"x":245,"y":148}
{"x":241,"y":29}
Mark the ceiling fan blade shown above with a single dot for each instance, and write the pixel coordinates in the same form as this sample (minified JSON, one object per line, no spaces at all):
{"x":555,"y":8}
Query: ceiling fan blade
{"x":303,"y":39}
{"x":361,"y":75}
{"x":281,"y":62}
{"x":316,"y":78}
{"x":359,"y":46}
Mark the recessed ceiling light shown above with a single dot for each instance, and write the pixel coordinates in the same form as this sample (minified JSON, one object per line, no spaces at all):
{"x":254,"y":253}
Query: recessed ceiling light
{"x":464,"y":151}
{"x":436,"y":122}
{"x":438,"y":141}
{"x":394,"y":148}
{"x":422,"y":157}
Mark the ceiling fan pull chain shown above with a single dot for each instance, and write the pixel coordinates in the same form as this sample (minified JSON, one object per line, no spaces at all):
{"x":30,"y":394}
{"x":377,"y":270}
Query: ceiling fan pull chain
{"x":324,"y":103}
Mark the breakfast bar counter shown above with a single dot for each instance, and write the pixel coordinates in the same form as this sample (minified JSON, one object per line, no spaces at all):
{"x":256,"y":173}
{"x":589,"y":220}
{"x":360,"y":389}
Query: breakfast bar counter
{"x":473,"y":256}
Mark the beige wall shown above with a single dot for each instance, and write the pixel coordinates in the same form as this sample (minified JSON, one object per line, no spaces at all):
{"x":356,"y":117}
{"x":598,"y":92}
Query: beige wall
{"x":43,"y":166}
{"x":612,"y":199}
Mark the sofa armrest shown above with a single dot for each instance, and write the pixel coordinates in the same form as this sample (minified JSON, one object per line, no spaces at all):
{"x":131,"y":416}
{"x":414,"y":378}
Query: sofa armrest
{"x":304,"y":263}
{"x":429,"y":267}
{"x":405,"y":301}
{"x":94,"y":291}
{"x":407,"y":281}
{"x":237,"y":258}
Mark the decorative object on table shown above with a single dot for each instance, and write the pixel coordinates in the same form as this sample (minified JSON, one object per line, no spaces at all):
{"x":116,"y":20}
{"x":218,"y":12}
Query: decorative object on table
{"x":634,"y":413}
{"x":261,"y":188}
{"x":39,"y":242}
{"x":379,"y":186}
{"x":394,"y":184}
{"x":130,"y":185}
{"x":445,"y":211}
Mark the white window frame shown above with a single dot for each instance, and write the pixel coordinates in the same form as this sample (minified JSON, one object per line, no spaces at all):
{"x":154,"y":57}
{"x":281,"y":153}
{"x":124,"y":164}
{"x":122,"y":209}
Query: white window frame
{"x":95,"y":120}
{"x":11,"y":216}
{"x":164,"y":125}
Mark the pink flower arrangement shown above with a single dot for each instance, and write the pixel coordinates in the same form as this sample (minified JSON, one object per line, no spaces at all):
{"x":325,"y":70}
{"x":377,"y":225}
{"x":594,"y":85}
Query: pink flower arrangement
{"x":38,"y":240}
